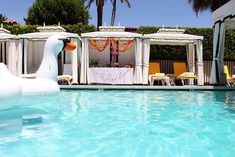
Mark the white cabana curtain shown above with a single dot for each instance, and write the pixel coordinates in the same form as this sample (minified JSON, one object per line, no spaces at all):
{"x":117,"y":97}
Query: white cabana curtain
{"x":213,"y":77}
{"x":25,"y":42}
{"x":11,"y":46}
{"x":34,"y":56}
{"x":84,"y":61}
{"x":11,"y":53}
{"x":138,"y":62}
{"x":19,"y":62}
{"x":3,"y":53}
{"x":200,"y":65}
{"x":74,"y":59}
{"x":146,"y":53}
{"x":221,"y":53}
{"x":190,"y":48}
{"x":191,"y":57}
{"x":218,"y":53}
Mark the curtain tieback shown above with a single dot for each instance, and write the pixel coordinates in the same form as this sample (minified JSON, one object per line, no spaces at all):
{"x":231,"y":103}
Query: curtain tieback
{"x":200,"y":63}
{"x":138,"y":64}
{"x":145,"y":65}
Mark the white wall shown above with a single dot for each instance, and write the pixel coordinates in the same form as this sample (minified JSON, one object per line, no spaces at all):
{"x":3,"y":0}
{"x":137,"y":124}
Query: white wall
{"x":102,"y":57}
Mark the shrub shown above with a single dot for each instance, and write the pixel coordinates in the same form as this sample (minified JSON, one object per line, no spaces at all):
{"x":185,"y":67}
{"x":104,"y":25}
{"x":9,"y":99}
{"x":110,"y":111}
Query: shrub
{"x":76,"y":28}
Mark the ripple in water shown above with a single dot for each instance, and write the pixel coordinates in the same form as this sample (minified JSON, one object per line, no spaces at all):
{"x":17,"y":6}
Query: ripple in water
{"x":120,"y":123}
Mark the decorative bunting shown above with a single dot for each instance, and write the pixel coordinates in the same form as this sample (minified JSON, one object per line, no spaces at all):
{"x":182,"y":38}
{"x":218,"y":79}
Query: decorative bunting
{"x":100,"y":48}
{"x":123,"y":46}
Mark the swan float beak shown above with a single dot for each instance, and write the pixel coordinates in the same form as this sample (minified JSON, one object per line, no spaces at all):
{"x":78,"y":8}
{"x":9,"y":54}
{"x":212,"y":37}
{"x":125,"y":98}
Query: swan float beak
{"x":68,"y":45}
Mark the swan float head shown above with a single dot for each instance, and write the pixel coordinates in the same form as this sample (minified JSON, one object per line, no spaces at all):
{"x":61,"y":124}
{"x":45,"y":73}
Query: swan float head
{"x":53,"y":46}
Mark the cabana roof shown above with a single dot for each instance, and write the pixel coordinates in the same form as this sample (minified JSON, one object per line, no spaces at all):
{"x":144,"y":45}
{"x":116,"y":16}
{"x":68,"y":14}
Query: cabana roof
{"x":172,"y":38}
{"x":48,"y":31}
{"x":111,"y":35}
{"x":45,"y":35}
{"x":225,"y":11}
{"x":5,"y":35}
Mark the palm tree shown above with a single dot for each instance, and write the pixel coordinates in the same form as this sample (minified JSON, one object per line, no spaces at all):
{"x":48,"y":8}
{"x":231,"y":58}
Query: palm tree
{"x":2,"y":18}
{"x":99,"y":5}
{"x":202,"y":5}
{"x":114,"y":4}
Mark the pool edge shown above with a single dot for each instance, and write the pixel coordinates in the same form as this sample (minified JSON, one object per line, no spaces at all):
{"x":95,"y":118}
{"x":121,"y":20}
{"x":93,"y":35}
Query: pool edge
{"x":141,"y":87}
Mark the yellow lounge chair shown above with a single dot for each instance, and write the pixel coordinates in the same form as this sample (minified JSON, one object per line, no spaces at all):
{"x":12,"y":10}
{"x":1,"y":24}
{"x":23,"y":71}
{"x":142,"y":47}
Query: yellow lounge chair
{"x":154,"y":67}
{"x":230,"y":80}
{"x":154,"y":74}
{"x":180,"y":72}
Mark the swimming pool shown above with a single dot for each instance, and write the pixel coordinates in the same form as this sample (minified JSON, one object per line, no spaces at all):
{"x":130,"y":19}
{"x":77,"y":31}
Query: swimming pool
{"x":120,"y":123}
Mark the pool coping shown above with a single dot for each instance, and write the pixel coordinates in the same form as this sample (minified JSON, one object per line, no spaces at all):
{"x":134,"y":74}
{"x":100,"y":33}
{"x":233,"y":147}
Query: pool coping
{"x":146,"y":87}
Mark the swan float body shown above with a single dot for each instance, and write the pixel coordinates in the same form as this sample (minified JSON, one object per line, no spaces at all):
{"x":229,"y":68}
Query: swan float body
{"x":10,"y":86}
{"x":46,"y":75}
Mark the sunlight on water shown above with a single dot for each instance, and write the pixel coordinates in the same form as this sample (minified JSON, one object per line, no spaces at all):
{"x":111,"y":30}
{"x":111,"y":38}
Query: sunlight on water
{"x":119,"y":123}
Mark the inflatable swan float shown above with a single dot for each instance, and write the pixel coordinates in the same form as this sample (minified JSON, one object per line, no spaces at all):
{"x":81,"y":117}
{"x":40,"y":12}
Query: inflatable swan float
{"x":46,"y":75}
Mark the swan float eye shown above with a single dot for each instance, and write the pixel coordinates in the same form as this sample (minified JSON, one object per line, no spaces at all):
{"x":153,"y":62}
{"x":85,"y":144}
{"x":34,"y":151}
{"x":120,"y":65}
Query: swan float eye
{"x":68,"y":45}
{"x":65,"y":40}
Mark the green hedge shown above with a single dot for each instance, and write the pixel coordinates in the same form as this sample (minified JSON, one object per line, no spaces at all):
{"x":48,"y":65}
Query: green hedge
{"x":229,"y":52}
{"x":179,"y":52}
{"x":77,"y":28}
{"x":17,"y":29}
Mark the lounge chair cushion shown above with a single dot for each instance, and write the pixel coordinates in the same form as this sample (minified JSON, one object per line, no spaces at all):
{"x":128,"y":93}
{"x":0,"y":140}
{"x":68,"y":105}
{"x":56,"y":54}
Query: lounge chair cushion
{"x":187,"y":75}
{"x":159,"y":74}
{"x":66,"y":78}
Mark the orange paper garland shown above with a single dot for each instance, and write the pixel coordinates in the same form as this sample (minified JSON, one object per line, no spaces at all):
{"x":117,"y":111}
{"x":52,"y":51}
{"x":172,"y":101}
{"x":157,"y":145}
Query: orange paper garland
{"x":122,"y":46}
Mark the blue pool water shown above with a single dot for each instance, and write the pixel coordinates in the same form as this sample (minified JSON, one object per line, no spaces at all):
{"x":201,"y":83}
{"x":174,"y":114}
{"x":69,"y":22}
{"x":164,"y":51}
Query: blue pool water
{"x":120,"y":123}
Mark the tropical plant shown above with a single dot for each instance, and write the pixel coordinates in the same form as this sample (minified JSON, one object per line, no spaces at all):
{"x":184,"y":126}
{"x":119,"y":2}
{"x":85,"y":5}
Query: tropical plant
{"x":100,"y":5}
{"x":202,"y":5}
{"x":54,"y":11}
{"x":114,"y":4}
{"x":2,"y":18}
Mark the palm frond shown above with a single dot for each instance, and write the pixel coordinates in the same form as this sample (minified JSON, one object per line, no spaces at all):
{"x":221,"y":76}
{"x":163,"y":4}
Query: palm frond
{"x":126,"y":2}
{"x":200,"y":5}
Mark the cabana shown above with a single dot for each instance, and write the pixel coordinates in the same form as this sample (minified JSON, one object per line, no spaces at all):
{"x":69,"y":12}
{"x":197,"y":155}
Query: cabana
{"x":33,"y":45}
{"x":111,"y":56}
{"x":9,"y":46}
{"x":223,"y":17}
{"x":193,"y":44}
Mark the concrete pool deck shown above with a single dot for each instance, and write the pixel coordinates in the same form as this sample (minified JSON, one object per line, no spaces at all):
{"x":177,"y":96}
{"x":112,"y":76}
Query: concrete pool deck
{"x":147,"y":87}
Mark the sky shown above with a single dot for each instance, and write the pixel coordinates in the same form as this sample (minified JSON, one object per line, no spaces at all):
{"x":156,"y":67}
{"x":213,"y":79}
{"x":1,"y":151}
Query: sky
{"x":167,"y":13}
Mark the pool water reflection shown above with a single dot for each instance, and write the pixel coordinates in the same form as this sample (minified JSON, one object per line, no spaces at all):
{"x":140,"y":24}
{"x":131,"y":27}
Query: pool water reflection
{"x":120,"y":123}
